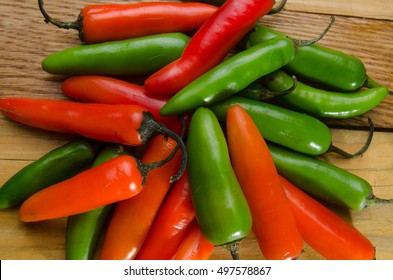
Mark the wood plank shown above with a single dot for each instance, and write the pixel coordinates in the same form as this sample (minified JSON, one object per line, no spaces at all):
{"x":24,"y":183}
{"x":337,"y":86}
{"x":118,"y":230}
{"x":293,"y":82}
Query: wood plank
{"x":358,"y":8}
{"x":362,"y":28}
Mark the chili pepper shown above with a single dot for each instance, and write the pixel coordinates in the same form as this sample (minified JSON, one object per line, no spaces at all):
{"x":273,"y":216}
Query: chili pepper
{"x":170,"y":225}
{"x":109,"y":22}
{"x":194,"y":246}
{"x":324,"y":231}
{"x":323,"y":180}
{"x":137,"y":56}
{"x":83,"y":230}
{"x":322,"y":103}
{"x":294,"y":130}
{"x":108,"y":90}
{"x":273,"y":224}
{"x":117,"y":179}
{"x":133,"y":218}
{"x":129,"y":125}
{"x":231,"y":76}
{"x":55,"y":166}
{"x":209,"y":45}
{"x":220,"y":206}
{"x":320,"y":64}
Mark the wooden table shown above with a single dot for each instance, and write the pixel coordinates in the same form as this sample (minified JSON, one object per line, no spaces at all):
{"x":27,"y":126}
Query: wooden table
{"x":363,"y":28}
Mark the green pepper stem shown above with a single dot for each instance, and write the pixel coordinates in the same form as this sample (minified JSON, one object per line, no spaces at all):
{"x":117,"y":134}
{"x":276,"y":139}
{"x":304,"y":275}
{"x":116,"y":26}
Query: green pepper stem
{"x":373,"y":200}
{"x":362,"y":150}
{"x":77,"y":25}
{"x":233,"y":248}
{"x":300,"y":43}
{"x":279,"y":8}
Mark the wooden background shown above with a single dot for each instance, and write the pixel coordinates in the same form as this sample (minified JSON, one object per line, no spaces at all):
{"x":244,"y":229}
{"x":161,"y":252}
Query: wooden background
{"x":363,"y":28}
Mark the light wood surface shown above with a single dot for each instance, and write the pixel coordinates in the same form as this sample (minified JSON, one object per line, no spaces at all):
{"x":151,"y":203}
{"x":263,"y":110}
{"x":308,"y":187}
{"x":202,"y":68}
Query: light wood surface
{"x":363,"y":28}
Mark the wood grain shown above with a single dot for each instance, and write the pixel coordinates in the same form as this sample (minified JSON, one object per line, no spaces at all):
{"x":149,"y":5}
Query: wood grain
{"x":362,"y":28}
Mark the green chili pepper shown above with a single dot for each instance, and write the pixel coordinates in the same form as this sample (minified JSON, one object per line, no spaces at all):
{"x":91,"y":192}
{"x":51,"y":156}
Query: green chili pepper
{"x":83,"y":230}
{"x":320,"y":64}
{"x":322,"y":179}
{"x":56,"y":166}
{"x":220,"y":205}
{"x":137,"y":56}
{"x":232,"y":75}
{"x":300,"y":132}
{"x":322,"y":103}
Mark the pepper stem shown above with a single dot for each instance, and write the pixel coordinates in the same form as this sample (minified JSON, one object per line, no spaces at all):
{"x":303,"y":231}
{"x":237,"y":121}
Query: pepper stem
{"x":373,"y":200}
{"x":233,"y":248}
{"x":77,"y":25}
{"x":362,"y":150}
{"x":300,"y":43}
{"x":150,"y":127}
{"x":278,"y":9}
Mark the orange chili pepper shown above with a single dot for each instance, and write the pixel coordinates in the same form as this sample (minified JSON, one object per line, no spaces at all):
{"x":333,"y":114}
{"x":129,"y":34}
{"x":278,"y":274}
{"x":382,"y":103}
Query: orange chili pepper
{"x":129,"y":125}
{"x":194,"y":246}
{"x":112,"y":181}
{"x":108,"y":22}
{"x":327,"y":233}
{"x":171,"y":223}
{"x":274,"y":224}
{"x":132,"y":218}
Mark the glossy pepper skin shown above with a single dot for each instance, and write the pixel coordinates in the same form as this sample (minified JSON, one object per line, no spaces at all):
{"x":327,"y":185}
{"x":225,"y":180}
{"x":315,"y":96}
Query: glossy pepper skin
{"x":194,"y":246}
{"x":327,"y":233}
{"x":322,"y":179}
{"x":323,"y":103}
{"x":84,"y":230}
{"x":220,"y":205}
{"x":136,"y":56}
{"x":209,"y":45}
{"x":133,"y":218}
{"x":109,"y":90}
{"x":274,"y":224}
{"x":294,"y":130}
{"x":55,"y":166}
{"x":130,"y":125}
{"x":171,"y":224}
{"x":340,"y":71}
{"x":110,"y":22}
{"x":114,"y":180}
{"x":231,"y":76}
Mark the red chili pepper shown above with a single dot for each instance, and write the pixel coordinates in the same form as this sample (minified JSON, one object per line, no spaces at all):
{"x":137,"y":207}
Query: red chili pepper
{"x":194,"y":246}
{"x":274,"y":223}
{"x":108,"y":90}
{"x":108,"y":22}
{"x":210,"y":44}
{"x":171,"y":223}
{"x":132,"y":218}
{"x":327,"y":233}
{"x":112,"y":181}
{"x":123,"y":124}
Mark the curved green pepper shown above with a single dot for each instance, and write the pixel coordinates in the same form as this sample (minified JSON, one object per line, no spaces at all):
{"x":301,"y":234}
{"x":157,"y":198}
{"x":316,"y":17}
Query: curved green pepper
{"x":322,"y":103}
{"x":300,"y":132}
{"x":83,"y":230}
{"x":137,"y":56}
{"x":220,"y":205}
{"x":231,"y":76}
{"x":55,"y":166}
{"x":320,"y":64}
{"x":322,"y":179}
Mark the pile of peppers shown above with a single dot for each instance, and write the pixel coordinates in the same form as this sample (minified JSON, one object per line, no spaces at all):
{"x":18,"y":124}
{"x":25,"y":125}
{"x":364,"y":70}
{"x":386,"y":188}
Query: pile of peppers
{"x":222,"y":138}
